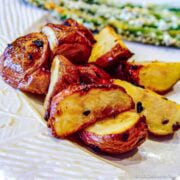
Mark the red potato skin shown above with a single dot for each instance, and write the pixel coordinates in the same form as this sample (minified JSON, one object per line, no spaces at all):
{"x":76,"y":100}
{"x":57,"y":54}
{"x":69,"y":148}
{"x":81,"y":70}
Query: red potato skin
{"x":23,"y":60}
{"x":77,"y":53}
{"x":82,"y":90}
{"x":128,"y":72}
{"x":74,"y":41}
{"x":36,"y":83}
{"x":87,"y":33}
{"x":114,"y":57}
{"x":91,"y":74}
{"x":117,"y":143}
{"x":70,"y":76}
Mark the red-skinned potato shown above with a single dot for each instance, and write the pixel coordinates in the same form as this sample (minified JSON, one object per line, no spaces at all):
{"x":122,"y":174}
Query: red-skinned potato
{"x":63,"y":74}
{"x":162,"y":115}
{"x":157,"y":76}
{"x":24,"y":63}
{"x":109,"y":50}
{"x":71,"y":40}
{"x":116,"y":135}
{"x":86,"y":32}
{"x":91,"y":74}
{"x":79,"y":106}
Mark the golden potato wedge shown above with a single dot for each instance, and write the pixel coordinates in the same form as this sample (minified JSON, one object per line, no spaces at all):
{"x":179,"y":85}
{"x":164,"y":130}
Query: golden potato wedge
{"x":162,"y":115}
{"x":157,"y":76}
{"x":79,"y":106}
{"x":116,"y":135}
{"x":63,"y":74}
{"x":109,"y":49}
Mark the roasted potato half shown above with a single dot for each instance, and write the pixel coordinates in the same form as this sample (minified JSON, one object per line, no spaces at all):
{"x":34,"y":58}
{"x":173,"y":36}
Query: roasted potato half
{"x":79,"y":106}
{"x":63,"y":74}
{"x":116,"y":135}
{"x":24,"y":63}
{"x":69,"y":39}
{"x":157,"y":76}
{"x":109,"y":49}
{"x":162,"y":115}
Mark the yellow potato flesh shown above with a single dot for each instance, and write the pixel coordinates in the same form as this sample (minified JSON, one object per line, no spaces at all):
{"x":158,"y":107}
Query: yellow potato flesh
{"x":157,"y":110}
{"x":71,"y":116}
{"x":159,"y":76}
{"x":106,"y":40}
{"x":116,"y":125}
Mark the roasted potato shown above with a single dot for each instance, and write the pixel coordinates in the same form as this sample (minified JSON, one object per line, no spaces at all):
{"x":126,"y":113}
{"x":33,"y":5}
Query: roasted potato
{"x":69,"y":41}
{"x":109,"y":49}
{"x":90,"y":74}
{"x":162,"y":115}
{"x":116,"y":135}
{"x":63,"y":74}
{"x":86,"y":32}
{"x":79,"y":106}
{"x":157,"y":76}
{"x":24,"y":63}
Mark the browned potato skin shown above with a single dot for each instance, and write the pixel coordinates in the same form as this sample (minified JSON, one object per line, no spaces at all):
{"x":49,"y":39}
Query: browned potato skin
{"x":113,"y":57}
{"x":87,"y":33}
{"x":117,"y":143}
{"x":83,"y":90}
{"x":73,"y":41}
{"x":68,"y":75}
{"x":23,"y":60}
{"x":91,"y":74}
{"x":77,"y":53}
{"x":127,"y":71}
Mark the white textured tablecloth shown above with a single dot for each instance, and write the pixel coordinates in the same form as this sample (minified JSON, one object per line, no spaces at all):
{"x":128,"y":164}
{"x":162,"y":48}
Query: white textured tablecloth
{"x":27,"y":150}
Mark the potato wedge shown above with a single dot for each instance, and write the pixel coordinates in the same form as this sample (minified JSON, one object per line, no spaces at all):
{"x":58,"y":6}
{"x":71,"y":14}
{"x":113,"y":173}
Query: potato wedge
{"x":157,"y":76}
{"x":63,"y":74}
{"x":109,"y":49}
{"x":162,"y":115}
{"x":80,"y":106}
{"x":69,"y":39}
{"x":116,"y":135}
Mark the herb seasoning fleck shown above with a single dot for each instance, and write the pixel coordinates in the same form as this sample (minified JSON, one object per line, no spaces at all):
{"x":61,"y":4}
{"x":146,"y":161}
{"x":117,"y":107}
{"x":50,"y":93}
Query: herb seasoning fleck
{"x":139,"y":107}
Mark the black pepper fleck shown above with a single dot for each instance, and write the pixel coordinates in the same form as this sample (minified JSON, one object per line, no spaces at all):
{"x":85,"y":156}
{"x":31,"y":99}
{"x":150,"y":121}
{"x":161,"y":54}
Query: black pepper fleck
{"x":134,"y":67}
{"x":139,"y":107}
{"x":9,"y":45}
{"x":30,"y":56}
{"x":165,"y":98}
{"x":176,"y":126}
{"x":165,"y":121}
{"x":66,"y":23}
{"x":95,"y":148}
{"x":125,"y":137}
{"x":38,"y":43}
{"x":86,"y":113}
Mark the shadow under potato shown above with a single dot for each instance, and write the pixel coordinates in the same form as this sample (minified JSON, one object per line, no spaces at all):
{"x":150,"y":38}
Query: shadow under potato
{"x":96,"y":150}
{"x":160,"y":138}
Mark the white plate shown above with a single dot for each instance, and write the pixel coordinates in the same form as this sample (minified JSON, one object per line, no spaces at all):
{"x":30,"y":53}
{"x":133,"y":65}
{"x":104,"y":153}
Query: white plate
{"x":29,"y":152}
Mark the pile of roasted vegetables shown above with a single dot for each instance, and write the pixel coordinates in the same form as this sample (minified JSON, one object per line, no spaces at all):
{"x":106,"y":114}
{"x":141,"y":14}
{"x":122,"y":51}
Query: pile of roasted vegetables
{"x":151,"y":24}
{"x":91,"y":89}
